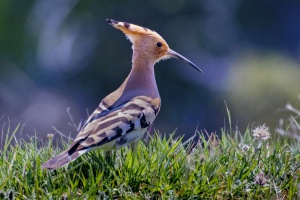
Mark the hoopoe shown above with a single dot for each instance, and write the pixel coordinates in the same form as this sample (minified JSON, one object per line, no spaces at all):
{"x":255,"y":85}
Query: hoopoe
{"x":124,"y":115}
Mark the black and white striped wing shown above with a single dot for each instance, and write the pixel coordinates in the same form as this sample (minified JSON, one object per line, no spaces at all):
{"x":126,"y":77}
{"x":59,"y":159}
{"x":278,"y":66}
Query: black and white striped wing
{"x":116,"y":128}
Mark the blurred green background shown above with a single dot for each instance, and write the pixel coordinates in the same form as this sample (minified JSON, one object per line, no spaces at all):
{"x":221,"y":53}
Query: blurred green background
{"x":57,"y":54}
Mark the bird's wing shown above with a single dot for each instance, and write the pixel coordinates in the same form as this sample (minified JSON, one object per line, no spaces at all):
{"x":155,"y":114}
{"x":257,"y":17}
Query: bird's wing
{"x":102,"y":110}
{"x":117,"y":124}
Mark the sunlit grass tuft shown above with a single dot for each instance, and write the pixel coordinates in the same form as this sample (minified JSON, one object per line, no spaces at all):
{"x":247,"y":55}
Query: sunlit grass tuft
{"x":230,"y":166}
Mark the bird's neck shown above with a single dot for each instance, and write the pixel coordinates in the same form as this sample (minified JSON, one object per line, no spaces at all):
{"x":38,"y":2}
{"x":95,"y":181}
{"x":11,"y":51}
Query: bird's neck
{"x":140,"y":82}
{"x":142,"y":78}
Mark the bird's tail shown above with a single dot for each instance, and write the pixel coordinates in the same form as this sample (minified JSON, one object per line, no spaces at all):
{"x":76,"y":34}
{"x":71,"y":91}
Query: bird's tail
{"x":60,"y":160}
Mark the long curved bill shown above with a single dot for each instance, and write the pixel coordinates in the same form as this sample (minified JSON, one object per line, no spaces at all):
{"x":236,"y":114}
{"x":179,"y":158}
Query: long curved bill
{"x":184,"y":59}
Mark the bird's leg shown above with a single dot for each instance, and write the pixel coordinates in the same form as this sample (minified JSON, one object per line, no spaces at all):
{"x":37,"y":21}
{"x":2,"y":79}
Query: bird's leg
{"x":107,"y":154}
{"x":108,"y":157}
{"x":148,"y":133}
{"x":133,"y":146}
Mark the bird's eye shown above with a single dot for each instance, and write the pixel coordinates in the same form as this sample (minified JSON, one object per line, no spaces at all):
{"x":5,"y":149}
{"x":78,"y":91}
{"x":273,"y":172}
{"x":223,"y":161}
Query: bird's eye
{"x":159,"y":44}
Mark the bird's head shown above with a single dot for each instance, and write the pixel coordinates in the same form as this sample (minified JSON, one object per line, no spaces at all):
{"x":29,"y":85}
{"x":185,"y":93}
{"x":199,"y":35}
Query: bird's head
{"x":148,"y":43}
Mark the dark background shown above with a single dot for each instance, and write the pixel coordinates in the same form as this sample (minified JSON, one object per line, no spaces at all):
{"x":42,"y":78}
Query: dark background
{"x":57,"y":54}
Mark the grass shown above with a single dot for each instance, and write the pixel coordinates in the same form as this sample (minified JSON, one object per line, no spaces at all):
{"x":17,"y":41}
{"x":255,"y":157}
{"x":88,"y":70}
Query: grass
{"x":227,"y":167}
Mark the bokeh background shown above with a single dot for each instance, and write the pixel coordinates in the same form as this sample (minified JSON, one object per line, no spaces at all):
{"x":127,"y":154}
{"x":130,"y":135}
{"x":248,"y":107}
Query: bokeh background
{"x":57,"y":54}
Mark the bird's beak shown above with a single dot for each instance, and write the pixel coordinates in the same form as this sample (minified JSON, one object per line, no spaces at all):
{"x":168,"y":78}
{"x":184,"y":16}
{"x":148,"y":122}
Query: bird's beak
{"x":176,"y":55}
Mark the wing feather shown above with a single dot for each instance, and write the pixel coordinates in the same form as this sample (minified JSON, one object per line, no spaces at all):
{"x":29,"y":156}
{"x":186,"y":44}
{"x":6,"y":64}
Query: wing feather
{"x":122,"y":124}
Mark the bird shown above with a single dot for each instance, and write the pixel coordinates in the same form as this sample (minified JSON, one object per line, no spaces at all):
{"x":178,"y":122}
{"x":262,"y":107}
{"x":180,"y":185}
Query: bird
{"x":124,"y":115}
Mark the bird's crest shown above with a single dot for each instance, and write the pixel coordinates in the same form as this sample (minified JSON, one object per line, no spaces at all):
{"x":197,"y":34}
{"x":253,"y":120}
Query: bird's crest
{"x":132,"y":30}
